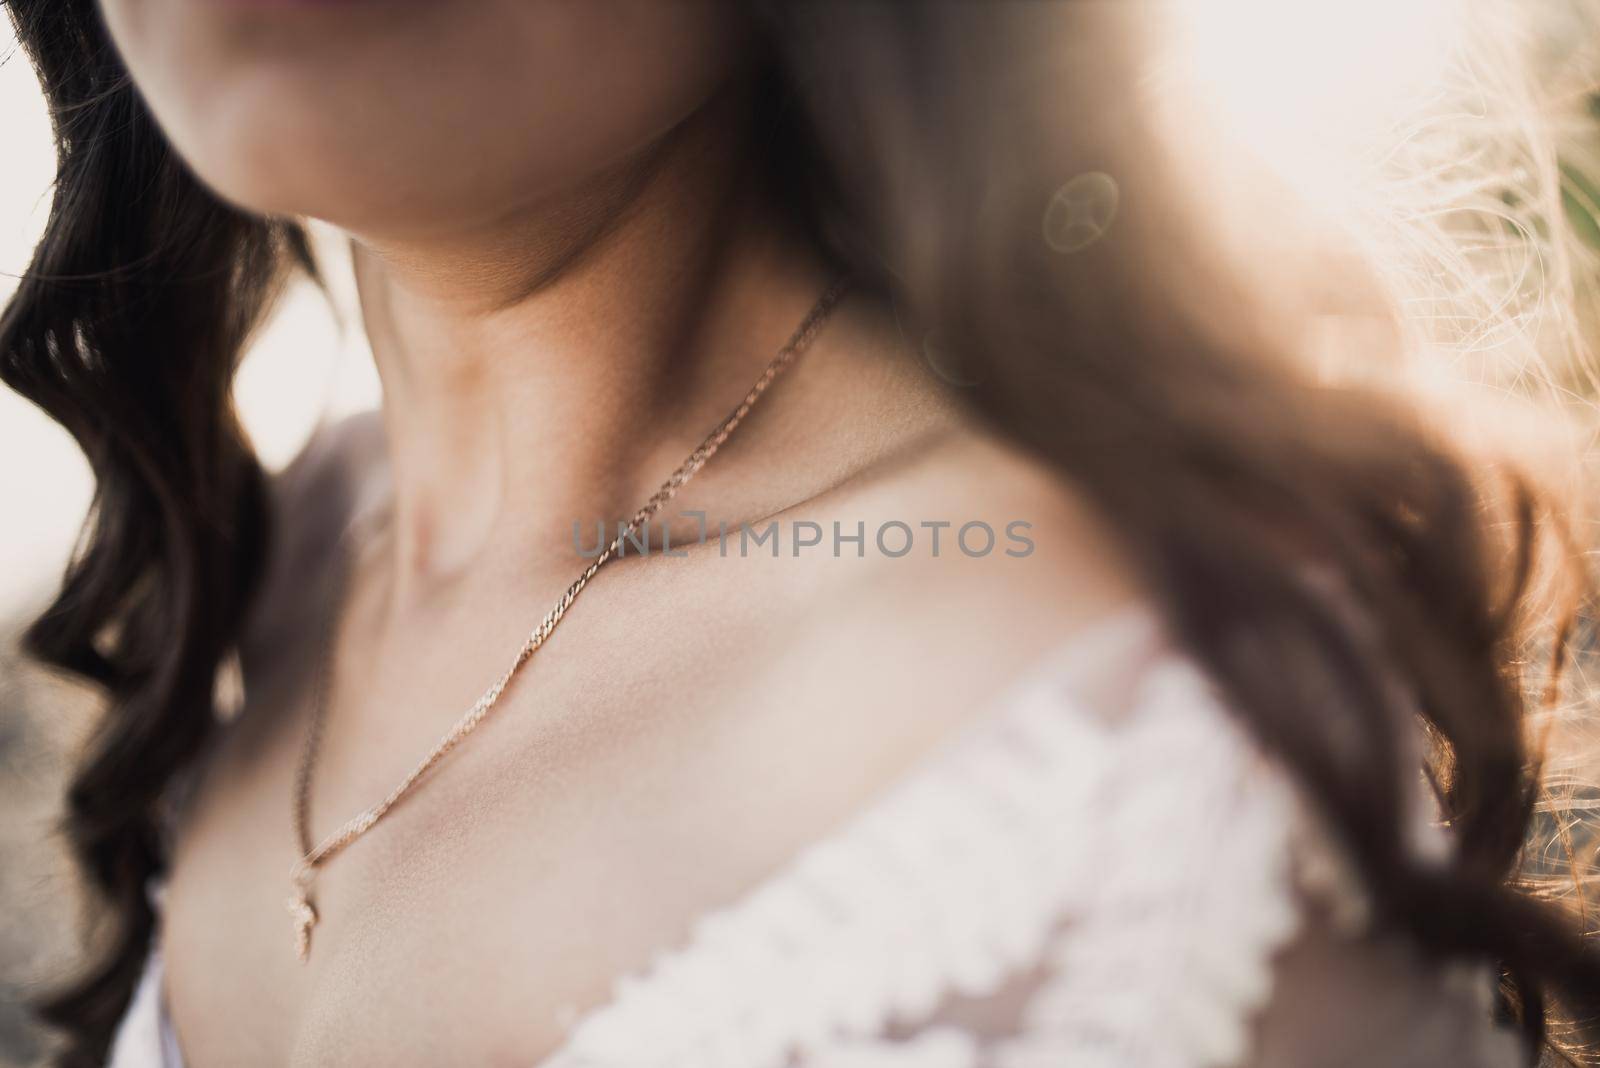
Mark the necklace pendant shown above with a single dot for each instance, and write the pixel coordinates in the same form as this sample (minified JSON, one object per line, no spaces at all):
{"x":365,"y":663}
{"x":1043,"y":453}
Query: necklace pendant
{"x":304,"y":915}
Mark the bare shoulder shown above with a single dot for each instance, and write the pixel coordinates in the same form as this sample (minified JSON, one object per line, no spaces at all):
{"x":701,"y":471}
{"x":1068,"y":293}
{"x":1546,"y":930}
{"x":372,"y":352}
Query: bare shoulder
{"x":313,"y":501}
{"x":975,"y":563}
{"x":318,"y":491}
{"x":980,"y":528}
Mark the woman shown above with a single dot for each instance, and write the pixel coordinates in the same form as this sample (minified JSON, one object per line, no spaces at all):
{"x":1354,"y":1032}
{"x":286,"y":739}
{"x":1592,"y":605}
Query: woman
{"x":781,"y":779}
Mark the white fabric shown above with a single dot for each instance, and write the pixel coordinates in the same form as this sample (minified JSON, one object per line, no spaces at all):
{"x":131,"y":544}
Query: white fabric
{"x":1062,"y":885}
{"x":145,"y":1038}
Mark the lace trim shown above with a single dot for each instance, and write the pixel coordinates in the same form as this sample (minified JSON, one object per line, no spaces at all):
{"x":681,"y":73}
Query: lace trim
{"x":1145,"y":861}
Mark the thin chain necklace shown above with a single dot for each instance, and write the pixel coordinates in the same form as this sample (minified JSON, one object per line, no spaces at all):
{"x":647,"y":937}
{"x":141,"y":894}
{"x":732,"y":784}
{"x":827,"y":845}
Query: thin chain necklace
{"x":301,"y":905}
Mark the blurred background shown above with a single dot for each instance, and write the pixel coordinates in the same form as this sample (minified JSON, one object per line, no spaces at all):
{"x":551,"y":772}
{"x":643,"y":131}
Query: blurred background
{"x":1454,"y":143}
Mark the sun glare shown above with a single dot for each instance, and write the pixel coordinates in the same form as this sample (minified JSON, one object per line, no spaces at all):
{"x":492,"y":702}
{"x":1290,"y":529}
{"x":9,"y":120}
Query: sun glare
{"x":1392,"y":125}
{"x":1302,"y":82}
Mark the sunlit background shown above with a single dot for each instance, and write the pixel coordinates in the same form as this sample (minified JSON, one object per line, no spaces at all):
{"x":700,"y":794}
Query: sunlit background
{"x":1451,"y":142}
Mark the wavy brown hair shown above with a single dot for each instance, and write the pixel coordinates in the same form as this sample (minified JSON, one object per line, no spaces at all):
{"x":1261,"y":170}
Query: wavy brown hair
{"x":921,"y":143}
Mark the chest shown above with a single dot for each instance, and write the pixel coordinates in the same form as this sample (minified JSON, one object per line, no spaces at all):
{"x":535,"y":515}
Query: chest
{"x":618,"y":796}
{"x":473,"y":928}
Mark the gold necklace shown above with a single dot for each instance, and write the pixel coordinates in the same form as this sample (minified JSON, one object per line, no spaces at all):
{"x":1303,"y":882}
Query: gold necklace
{"x":301,"y":905}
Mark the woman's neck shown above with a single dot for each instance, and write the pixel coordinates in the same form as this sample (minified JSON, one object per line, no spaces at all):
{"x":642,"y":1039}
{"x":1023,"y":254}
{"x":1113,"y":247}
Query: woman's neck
{"x":554,"y":367}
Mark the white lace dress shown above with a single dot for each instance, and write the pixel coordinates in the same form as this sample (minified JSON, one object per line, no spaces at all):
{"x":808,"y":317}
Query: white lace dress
{"x":1088,"y":877}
